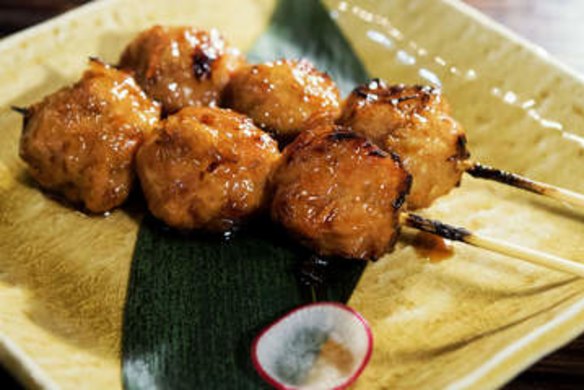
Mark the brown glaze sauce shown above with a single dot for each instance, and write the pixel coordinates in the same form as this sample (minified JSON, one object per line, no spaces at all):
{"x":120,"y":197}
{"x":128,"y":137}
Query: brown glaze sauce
{"x":432,"y":247}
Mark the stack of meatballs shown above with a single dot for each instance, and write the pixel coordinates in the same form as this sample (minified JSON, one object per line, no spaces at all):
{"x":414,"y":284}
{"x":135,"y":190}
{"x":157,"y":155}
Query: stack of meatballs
{"x":202,"y":130}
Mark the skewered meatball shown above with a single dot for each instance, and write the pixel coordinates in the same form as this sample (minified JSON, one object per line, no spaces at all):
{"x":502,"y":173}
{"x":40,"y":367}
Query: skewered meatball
{"x":339,"y":193}
{"x":81,"y":141}
{"x":206,"y":168}
{"x":414,"y":122}
{"x":282,"y":96}
{"x":181,"y":66}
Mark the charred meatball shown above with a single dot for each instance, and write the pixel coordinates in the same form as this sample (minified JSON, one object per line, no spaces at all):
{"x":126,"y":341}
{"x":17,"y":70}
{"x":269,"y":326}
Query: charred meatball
{"x":282,"y":96}
{"x":206,"y":168}
{"x":414,"y":122}
{"x":181,"y":66}
{"x":339,"y":193}
{"x":81,"y":141}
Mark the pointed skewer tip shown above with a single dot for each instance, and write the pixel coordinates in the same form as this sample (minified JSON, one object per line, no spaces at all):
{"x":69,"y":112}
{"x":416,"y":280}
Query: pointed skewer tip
{"x":492,"y":244}
{"x":481,"y":171}
{"x":24,"y":111}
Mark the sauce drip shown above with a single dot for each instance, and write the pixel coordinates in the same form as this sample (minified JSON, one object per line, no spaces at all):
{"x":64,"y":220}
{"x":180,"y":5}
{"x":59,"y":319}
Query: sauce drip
{"x":432,"y":247}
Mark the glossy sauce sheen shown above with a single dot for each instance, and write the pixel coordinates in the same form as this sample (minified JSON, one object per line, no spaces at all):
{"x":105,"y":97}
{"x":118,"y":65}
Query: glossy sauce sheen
{"x":414,"y":122}
{"x":80,"y":142}
{"x":339,"y":194}
{"x":282,"y":96}
{"x":181,"y":66}
{"x":206,"y":168}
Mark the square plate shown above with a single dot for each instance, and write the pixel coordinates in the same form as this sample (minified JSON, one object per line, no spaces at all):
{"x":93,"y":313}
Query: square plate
{"x":473,"y":321}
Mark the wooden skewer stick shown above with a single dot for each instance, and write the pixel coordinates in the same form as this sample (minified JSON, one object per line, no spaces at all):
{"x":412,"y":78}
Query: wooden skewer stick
{"x":495,"y":245}
{"x":21,"y":110}
{"x":24,"y":111}
{"x":486,"y":172}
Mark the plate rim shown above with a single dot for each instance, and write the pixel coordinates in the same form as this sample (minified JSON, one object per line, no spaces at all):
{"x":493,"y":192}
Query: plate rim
{"x":514,"y":356}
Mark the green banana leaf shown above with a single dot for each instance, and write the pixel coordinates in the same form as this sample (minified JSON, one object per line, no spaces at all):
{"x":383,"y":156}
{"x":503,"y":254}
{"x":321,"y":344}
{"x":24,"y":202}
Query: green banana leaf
{"x":195,"y":303}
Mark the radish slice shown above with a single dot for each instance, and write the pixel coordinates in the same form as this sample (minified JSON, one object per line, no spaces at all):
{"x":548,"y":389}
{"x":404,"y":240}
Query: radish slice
{"x":323,"y":345}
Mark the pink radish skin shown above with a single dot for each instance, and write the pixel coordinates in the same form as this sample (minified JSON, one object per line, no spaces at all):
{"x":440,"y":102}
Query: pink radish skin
{"x":293,"y":342}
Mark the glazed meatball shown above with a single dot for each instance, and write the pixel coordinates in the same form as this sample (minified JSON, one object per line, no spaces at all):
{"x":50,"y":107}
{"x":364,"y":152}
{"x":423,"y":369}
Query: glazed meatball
{"x":339,"y":193}
{"x":282,"y":96}
{"x":81,"y":141}
{"x":206,"y":168}
{"x":414,"y":122}
{"x":181,"y":66}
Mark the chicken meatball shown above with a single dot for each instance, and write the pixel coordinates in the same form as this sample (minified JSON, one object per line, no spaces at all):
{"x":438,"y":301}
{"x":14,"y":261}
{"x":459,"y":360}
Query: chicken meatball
{"x":414,"y":122}
{"x":339,"y":193}
{"x":81,"y":141}
{"x":181,"y":66}
{"x":206,"y":168}
{"x":282,"y":96}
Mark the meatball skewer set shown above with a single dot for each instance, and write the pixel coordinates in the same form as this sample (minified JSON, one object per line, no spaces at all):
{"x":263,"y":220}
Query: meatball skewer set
{"x":342,"y":196}
{"x":339,"y":186}
{"x":415,"y":122}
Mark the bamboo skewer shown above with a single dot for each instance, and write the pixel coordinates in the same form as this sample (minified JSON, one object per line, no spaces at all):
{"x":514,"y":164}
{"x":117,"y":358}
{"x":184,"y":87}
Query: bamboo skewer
{"x":481,"y":171}
{"x":492,"y":244}
{"x":21,"y":110}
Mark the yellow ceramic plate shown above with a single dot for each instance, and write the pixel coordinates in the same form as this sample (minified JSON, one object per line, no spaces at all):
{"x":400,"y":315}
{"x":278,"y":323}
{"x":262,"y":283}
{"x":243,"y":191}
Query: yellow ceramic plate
{"x":474,"y":321}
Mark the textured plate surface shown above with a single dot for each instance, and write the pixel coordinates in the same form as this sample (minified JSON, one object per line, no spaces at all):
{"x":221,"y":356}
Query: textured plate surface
{"x":472,"y":321}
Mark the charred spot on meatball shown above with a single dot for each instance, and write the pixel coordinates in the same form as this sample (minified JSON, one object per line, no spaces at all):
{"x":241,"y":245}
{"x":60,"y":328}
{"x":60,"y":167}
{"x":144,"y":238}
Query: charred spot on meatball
{"x":339,"y":193}
{"x":415,"y":122}
{"x":202,"y":64}
{"x":181,"y":66}
{"x":462,"y":152}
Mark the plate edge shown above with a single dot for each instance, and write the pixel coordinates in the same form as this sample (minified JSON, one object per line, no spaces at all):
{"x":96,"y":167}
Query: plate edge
{"x":16,"y":38}
{"x":24,"y":368}
{"x":514,"y":358}
{"x":507,"y":33}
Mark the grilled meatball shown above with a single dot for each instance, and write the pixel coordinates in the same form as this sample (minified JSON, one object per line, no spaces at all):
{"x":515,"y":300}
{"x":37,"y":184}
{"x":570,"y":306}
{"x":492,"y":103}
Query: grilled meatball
{"x":282,"y":96}
{"x":339,"y":193}
{"x":414,"y":122}
{"x":181,"y":66}
{"x":206,"y":168}
{"x":81,"y":141}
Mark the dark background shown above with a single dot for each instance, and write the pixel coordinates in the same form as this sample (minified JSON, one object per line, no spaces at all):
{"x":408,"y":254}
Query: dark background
{"x":556,"y":25}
